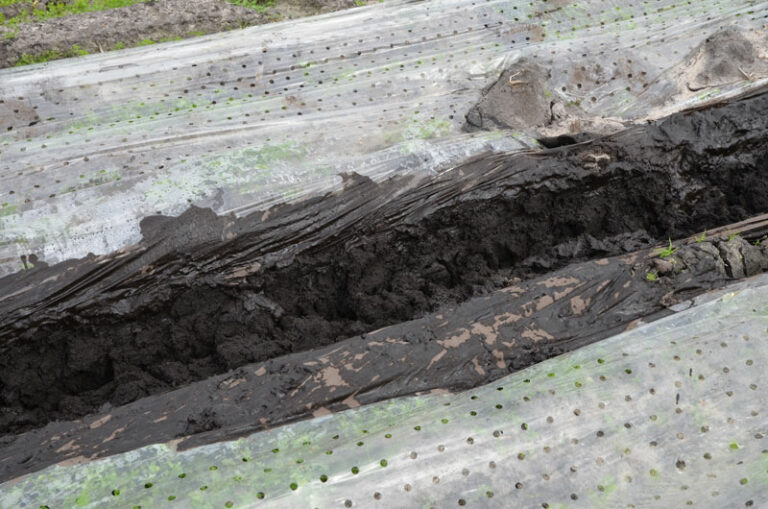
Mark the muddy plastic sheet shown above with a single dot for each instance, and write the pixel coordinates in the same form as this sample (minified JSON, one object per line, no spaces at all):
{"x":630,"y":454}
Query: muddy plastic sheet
{"x":456,"y":349}
{"x":218,"y":294}
{"x":241,"y":120}
{"x":669,"y":414}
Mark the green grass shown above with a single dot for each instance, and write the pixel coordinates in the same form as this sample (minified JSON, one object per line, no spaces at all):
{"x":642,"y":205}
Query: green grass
{"x":52,"y":54}
{"x":148,"y":42}
{"x":10,"y":34}
{"x":76,"y":51}
{"x":667,"y":251}
{"x":257,"y":5}
{"x":60,"y":9}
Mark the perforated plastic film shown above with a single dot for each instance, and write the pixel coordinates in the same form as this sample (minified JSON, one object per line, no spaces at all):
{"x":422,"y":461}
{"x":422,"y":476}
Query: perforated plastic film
{"x":241,"y":120}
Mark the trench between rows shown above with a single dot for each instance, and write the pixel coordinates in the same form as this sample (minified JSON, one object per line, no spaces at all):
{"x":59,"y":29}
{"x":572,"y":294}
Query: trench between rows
{"x":338,"y":290}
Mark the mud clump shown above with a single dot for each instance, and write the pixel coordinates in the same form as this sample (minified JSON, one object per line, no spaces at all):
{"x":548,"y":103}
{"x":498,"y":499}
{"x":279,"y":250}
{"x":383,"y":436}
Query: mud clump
{"x":171,"y":319}
{"x":519,"y":100}
{"x":727,"y":56}
{"x":515,"y":101}
{"x":734,"y":258}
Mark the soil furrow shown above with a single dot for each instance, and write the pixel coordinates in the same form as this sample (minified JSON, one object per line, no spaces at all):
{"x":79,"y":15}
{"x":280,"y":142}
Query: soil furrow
{"x":188,"y":306}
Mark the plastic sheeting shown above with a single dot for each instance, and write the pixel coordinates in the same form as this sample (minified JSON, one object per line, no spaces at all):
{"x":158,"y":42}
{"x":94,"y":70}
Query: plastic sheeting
{"x":241,"y":120}
{"x":666,"y":415}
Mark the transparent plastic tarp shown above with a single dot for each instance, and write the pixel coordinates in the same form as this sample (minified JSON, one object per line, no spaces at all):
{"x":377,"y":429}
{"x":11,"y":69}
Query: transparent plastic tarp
{"x":241,"y":120}
{"x":670,"y":414}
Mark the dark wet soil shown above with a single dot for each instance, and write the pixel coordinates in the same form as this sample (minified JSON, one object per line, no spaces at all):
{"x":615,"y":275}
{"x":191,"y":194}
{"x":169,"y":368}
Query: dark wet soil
{"x":158,"y":20}
{"x":463,"y":346}
{"x":309,"y":275}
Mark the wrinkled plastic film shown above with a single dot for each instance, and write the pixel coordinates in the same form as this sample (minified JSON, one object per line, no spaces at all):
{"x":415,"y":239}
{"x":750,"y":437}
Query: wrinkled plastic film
{"x":668,"y":414}
{"x":242,"y":120}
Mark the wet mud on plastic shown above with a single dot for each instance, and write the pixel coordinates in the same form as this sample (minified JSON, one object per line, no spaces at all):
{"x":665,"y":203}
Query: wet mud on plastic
{"x":204,"y":294}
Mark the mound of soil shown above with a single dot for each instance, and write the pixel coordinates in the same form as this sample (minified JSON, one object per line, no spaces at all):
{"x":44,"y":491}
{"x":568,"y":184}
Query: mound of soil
{"x":727,"y":56}
{"x":515,"y":101}
{"x":204,"y":294}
